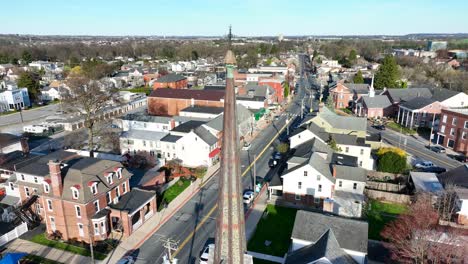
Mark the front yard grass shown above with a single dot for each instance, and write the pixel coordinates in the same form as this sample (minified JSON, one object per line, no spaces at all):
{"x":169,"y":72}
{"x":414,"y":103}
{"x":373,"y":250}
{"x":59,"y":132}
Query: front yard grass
{"x":43,"y":240}
{"x":397,"y":127}
{"x":276,"y":227}
{"x":172,"y":192}
{"x":379,"y":214}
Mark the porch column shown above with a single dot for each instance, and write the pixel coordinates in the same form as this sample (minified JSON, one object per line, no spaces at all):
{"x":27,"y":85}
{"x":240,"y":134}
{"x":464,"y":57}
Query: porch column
{"x":412,"y":120}
{"x":407,"y":118}
{"x":398,"y":118}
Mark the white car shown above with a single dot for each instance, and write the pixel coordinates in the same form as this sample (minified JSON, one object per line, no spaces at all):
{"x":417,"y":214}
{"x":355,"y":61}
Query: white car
{"x":424,"y":165}
{"x":246,"y":146}
{"x":206,"y":254}
{"x":248,"y":197}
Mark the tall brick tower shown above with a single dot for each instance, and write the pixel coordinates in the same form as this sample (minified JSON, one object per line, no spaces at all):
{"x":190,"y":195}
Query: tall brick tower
{"x":230,"y":244}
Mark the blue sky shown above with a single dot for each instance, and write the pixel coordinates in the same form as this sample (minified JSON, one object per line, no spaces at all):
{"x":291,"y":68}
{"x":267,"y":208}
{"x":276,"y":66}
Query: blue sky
{"x":248,"y":17}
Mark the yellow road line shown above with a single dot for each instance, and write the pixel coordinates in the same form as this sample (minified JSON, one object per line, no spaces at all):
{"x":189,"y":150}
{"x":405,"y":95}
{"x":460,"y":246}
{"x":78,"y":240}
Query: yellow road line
{"x":422,"y":153}
{"x":208,"y":215}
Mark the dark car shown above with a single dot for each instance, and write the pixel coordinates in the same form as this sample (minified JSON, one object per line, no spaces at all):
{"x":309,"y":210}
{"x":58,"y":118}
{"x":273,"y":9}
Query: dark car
{"x":277,"y":155}
{"x":272,"y":163}
{"x":379,"y":127}
{"x":437,"y":149}
{"x":460,"y":158}
{"x":434,"y":169}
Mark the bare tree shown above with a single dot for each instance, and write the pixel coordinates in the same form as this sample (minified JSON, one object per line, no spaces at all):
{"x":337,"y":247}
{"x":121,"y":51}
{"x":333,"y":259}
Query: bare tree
{"x":446,"y":202}
{"x":415,"y":236}
{"x":88,"y":99}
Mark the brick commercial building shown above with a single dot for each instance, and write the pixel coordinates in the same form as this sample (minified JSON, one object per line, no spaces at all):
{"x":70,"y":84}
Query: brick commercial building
{"x":277,"y":85}
{"x":169,"y":102}
{"x":346,"y":94}
{"x":453,"y":129}
{"x":172,"y":80}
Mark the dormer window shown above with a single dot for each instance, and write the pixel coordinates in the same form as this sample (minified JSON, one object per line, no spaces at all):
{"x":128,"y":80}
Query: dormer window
{"x":109,"y":177}
{"x":75,"y":191}
{"x":93,"y":187}
{"x":118,"y":171}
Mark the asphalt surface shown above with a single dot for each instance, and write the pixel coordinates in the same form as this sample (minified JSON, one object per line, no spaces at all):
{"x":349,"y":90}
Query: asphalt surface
{"x":194,"y":224}
{"x":12,"y":123}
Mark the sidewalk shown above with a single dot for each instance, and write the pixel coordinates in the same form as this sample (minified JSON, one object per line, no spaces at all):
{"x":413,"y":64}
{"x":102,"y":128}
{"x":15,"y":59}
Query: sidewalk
{"x":20,"y":245}
{"x":254,"y":214}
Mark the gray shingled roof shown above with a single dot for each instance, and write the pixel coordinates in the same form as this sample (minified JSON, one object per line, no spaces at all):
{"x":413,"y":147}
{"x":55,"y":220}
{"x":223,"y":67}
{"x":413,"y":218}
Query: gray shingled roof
{"x":8,"y":139}
{"x":242,"y":112}
{"x":359,"y":88}
{"x":321,"y":165}
{"x":204,"y":109}
{"x":378,"y":101}
{"x":39,"y":165}
{"x":143,"y":135}
{"x":417,"y":103}
{"x":398,"y":94}
{"x":350,"y":173}
{"x":457,"y":176}
{"x":441,"y":94}
{"x":188,"y":126}
{"x":134,"y":199}
{"x":346,"y":160}
{"x":326,"y":247}
{"x":171,"y":77}
{"x":205,"y":135}
{"x":344,"y":122}
{"x":350,"y":234}
{"x":170,"y":138}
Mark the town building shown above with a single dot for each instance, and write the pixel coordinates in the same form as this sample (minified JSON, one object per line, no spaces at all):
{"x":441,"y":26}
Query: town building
{"x":277,"y":85}
{"x":418,"y":112}
{"x":346,"y":94}
{"x":332,"y":123}
{"x":453,"y":129}
{"x":14,"y":98}
{"x":458,"y":180}
{"x":171,"y":80}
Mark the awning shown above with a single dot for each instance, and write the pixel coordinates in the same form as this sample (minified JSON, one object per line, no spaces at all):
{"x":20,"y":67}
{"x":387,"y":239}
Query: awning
{"x":10,"y":200}
{"x":214,"y":152}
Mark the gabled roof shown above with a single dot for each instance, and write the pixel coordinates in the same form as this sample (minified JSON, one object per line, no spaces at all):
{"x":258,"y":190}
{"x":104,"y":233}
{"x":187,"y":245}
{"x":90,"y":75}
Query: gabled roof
{"x":350,"y":173}
{"x":321,"y":165}
{"x":39,"y":165}
{"x":441,"y":94}
{"x":457,"y":176}
{"x":143,"y":135}
{"x":343,"y":122}
{"x":188,"y":94}
{"x":398,"y":95}
{"x":205,"y":135}
{"x":359,"y":88}
{"x":417,"y":103}
{"x":188,"y":126}
{"x":326,"y":247}
{"x":8,"y":139}
{"x":170,"y":138}
{"x":426,"y":182}
{"x":350,"y":234}
{"x":377,"y":101}
{"x":171,"y":77}
{"x":133,"y":200}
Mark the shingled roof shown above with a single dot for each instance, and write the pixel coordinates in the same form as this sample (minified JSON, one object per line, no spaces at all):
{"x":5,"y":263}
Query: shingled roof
{"x":171,"y":77}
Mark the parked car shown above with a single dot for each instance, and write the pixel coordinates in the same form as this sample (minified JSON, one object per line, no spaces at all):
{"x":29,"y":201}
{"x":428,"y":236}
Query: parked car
{"x":379,"y":127}
{"x":272,"y":163}
{"x":460,"y":158}
{"x":126,"y":260}
{"x":206,"y":253}
{"x":424,"y":165}
{"x":246,"y":146}
{"x":276,"y":118}
{"x":437,"y":149}
{"x":248,"y":196}
{"x":435,"y":169}
{"x":277,"y":155}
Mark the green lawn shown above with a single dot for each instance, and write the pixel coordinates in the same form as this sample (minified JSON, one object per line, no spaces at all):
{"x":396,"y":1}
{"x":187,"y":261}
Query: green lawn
{"x":146,"y":90}
{"x":277,"y":228}
{"x":33,"y":259}
{"x":397,"y":127}
{"x":172,"y":192}
{"x":379,"y":214}
{"x":41,"y":239}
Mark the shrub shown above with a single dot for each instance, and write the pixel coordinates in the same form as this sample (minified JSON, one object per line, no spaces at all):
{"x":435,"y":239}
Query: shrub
{"x":382,"y":151}
{"x":392,"y":162}
{"x":282,"y":148}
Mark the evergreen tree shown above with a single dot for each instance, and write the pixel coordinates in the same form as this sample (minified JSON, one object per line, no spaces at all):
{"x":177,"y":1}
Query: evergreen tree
{"x":30,"y":81}
{"x":286,"y":90}
{"x":358,"y":77}
{"x":388,"y":74}
{"x":26,"y":57}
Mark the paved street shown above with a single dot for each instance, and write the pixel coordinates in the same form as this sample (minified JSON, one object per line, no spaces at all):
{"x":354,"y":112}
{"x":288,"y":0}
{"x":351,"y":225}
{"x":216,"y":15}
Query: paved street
{"x":12,"y":123}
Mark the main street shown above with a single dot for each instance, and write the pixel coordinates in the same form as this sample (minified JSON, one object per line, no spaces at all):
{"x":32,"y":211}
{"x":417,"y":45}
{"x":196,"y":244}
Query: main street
{"x":194,"y":224}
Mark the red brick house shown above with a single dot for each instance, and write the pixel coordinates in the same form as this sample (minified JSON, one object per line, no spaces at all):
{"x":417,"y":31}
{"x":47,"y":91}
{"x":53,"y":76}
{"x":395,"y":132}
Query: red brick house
{"x":169,"y":102}
{"x":453,"y":129}
{"x":277,"y":85}
{"x":171,"y":80}
{"x":418,"y":112}
{"x":346,"y":94}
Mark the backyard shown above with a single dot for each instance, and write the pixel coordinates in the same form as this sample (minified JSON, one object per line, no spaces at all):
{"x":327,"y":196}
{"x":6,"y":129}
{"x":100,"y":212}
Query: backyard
{"x":276,"y":227}
{"x":379,"y":214}
{"x":172,"y":192}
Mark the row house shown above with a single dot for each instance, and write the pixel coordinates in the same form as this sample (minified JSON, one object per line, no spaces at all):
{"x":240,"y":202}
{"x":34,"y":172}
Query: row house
{"x":346,"y":94}
{"x":453,"y":129}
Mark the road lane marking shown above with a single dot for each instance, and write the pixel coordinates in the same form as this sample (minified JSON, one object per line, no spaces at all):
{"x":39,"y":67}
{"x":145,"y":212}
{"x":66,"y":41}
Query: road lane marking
{"x":208,"y":215}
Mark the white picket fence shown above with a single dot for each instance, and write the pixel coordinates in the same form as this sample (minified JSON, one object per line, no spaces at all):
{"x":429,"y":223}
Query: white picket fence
{"x":13,"y":234}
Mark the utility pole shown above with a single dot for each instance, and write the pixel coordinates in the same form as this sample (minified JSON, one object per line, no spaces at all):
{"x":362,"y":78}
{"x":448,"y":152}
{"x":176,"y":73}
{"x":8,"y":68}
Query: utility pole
{"x":170,"y":245}
{"x":255,"y":173}
{"x":91,"y":242}
{"x":21,"y":114}
{"x":302,"y":108}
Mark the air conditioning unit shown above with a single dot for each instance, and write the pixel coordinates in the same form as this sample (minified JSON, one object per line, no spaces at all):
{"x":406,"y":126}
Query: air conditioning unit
{"x":116,"y":200}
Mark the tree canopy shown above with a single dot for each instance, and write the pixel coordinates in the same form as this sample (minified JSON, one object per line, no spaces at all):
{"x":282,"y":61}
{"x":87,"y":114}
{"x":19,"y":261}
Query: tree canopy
{"x":30,"y":80}
{"x":358,"y":77}
{"x":388,"y":74}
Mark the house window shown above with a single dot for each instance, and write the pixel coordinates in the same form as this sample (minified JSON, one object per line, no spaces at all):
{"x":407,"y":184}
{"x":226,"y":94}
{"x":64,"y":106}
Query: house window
{"x":318,"y":177}
{"x":26,"y":191}
{"x":320,"y":187}
{"x":360,"y":163}
{"x":78,"y":211}
{"x":103,"y":228}
{"x":119,"y":173}
{"x":52,"y":224}
{"x":444,"y":119}
{"x":46,"y":188}
{"x":75,"y":193}
{"x":109,"y":197}
{"x":299,"y":185}
{"x":347,"y":149}
{"x":452,"y":131}
{"x":340,"y":183}
{"x":354,"y":186}
{"x":22,"y":177}
{"x":124,"y":187}
{"x":316,"y":200}
{"x":362,"y":151}
{"x":94,"y":188}
{"x":442,"y":129}
{"x":305,"y":173}
{"x":35,"y":180}
{"x":12,"y":187}
{"x":49,"y":205}
{"x":80,"y":230}
{"x":96,"y":206}
{"x":297,"y":197}
{"x":96,"y":229}
{"x":144,"y":143}
{"x":466,"y":124}
{"x":109,"y":178}
{"x":454,"y":121}
{"x":117,"y":191}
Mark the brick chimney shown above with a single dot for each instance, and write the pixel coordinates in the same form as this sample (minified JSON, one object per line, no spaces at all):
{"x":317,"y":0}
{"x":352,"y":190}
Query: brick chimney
{"x":56,"y":178}
{"x":334,"y":171}
{"x":172,"y":124}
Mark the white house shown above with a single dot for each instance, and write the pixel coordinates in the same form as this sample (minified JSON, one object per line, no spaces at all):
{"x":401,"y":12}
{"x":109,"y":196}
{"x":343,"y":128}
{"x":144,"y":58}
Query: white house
{"x":14,"y":98}
{"x":356,"y":147}
{"x":49,"y":93}
{"x":323,"y":238}
{"x":141,"y":140}
{"x":449,"y":98}
{"x":457,"y":178}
